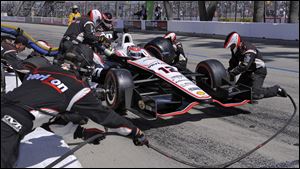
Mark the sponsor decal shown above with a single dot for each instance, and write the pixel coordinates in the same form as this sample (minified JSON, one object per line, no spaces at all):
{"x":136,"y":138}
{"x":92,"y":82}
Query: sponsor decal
{"x":133,"y":24}
{"x":12,"y":122}
{"x":156,"y":25}
{"x":48,"y":80}
{"x":193,"y":88}
{"x":201,"y":93}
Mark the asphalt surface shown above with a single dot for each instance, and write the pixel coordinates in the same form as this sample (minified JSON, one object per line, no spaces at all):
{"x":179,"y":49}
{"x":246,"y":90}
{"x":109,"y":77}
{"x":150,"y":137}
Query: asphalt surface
{"x":208,"y":135}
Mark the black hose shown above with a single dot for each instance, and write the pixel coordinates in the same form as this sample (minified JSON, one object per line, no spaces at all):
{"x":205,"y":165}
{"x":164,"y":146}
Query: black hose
{"x":224,"y":165}
{"x":227,"y":164}
{"x":90,"y":140}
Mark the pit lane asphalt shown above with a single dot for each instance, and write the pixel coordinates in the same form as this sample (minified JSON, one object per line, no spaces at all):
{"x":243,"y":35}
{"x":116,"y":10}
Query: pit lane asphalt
{"x":208,"y":134}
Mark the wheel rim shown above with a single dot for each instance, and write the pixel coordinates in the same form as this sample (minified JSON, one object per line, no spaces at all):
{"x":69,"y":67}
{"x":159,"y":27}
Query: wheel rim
{"x":112,"y":93}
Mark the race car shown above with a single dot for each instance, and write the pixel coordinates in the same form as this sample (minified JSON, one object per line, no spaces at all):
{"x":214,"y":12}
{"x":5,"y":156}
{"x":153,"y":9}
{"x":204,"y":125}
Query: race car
{"x":150,"y":88}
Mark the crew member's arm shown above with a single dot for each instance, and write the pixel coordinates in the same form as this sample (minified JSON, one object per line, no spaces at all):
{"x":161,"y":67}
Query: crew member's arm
{"x":12,"y":58}
{"x":71,"y":18}
{"x":90,"y":107}
{"x":233,"y":62}
{"x":89,"y":33}
{"x":245,"y":64}
{"x":181,"y":60}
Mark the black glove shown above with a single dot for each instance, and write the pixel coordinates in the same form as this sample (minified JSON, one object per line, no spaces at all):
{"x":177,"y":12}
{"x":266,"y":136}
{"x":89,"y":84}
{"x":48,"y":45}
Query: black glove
{"x":139,"y":138}
{"x":86,"y":133}
{"x":231,"y":76}
{"x":74,"y":118}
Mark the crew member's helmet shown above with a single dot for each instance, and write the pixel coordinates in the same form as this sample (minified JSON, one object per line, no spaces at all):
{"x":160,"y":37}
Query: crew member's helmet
{"x":74,"y":8}
{"x":107,"y":20}
{"x":171,"y":36}
{"x":95,"y":16}
{"x":233,"y":41}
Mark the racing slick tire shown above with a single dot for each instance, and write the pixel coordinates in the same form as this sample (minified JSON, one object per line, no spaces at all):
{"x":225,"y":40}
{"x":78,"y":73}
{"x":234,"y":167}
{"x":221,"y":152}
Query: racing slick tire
{"x":117,"y":81}
{"x":214,"y":71}
{"x":162,"y":49}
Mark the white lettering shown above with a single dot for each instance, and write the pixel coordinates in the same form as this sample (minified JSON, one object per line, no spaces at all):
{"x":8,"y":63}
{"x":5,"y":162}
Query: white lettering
{"x":12,"y":122}
{"x":62,"y":87}
{"x":56,"y":82}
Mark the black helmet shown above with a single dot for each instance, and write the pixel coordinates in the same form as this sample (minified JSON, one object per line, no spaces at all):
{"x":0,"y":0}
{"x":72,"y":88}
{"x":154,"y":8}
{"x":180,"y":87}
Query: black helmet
{"x":107,"y":19}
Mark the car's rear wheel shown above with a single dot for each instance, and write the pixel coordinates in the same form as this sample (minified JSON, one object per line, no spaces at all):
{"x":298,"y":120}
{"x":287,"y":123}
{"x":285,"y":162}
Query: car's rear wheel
{"x":117,"y":81}
{"x":214,"y":71}
{"x":162,"y":49}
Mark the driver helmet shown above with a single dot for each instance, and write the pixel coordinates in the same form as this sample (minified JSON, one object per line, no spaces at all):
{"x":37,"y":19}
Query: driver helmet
{"x":171,"y":36}
{"x":233,"y":41}
{"x":107,"y":19}
{"x":134,"y":51}
{"x":95,"y":16}
{"x":74,"y":8}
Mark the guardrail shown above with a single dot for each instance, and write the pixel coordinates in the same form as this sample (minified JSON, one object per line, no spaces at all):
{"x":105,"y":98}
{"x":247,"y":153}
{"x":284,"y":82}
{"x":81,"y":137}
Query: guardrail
{"x":284,"y":31}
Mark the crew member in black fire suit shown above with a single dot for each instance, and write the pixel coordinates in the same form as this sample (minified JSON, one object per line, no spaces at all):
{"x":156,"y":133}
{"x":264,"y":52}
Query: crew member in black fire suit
{"x":9,"y":51}
{"x":82,"y":31}
{"x":52,"y":92}
{"x":247,"y":61}
{"x":180,"y":60}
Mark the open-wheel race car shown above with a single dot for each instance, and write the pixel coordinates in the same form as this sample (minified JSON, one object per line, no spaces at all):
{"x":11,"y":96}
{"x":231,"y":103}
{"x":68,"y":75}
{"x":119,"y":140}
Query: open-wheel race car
{"x":151,"y":88}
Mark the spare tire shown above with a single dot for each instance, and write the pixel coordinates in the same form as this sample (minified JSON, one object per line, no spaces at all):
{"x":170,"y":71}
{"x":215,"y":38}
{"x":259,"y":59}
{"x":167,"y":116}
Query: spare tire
{"x":214,"y":71}
{"x":162,"y":49}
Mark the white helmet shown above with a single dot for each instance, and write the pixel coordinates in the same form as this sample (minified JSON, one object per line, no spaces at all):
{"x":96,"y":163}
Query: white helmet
{"x":75,"y":7}
{"x":171,"y":36}
{"x":95,"y":16}
{"x":233,"y":39}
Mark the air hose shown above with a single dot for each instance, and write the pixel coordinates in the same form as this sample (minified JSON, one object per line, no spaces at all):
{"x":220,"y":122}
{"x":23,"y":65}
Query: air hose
{"x":15,"y":31}
{"x":224,"y":165}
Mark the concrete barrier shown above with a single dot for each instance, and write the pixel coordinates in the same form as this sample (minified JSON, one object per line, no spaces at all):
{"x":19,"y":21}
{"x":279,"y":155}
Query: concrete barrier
{"x":282,"y":31}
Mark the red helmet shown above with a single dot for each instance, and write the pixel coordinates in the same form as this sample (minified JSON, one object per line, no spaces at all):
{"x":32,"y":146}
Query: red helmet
{"x":171,"y":36}
{"x":134,"y":51}
{"x":233,"y":41}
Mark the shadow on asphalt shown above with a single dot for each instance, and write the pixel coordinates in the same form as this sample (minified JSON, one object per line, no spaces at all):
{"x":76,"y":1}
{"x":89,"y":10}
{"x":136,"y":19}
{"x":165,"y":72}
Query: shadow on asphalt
{"x":204,"y":113}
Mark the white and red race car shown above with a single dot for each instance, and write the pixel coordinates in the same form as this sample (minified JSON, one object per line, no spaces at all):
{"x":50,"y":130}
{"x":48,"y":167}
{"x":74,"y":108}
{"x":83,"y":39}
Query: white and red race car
{"x":152,"y":89}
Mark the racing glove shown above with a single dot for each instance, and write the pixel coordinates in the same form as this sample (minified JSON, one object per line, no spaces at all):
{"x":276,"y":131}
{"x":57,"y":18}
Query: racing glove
{"x":86,"y":133}
{"x":139,"y":138}
{"x":231,"y":75}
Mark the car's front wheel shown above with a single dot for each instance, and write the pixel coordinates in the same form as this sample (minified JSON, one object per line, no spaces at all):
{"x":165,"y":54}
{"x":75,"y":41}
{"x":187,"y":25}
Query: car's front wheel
{"x":117,"y":81}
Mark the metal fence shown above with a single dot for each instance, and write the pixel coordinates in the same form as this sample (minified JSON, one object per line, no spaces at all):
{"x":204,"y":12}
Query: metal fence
{"x":275,"y":11}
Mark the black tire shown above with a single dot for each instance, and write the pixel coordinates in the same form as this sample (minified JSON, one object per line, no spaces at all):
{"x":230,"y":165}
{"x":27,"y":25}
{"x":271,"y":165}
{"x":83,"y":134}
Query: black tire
{"x":117,"y":81}
{"x":214,"y":70}
{"x":3,"y":84}
{"x":162,"y":49}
